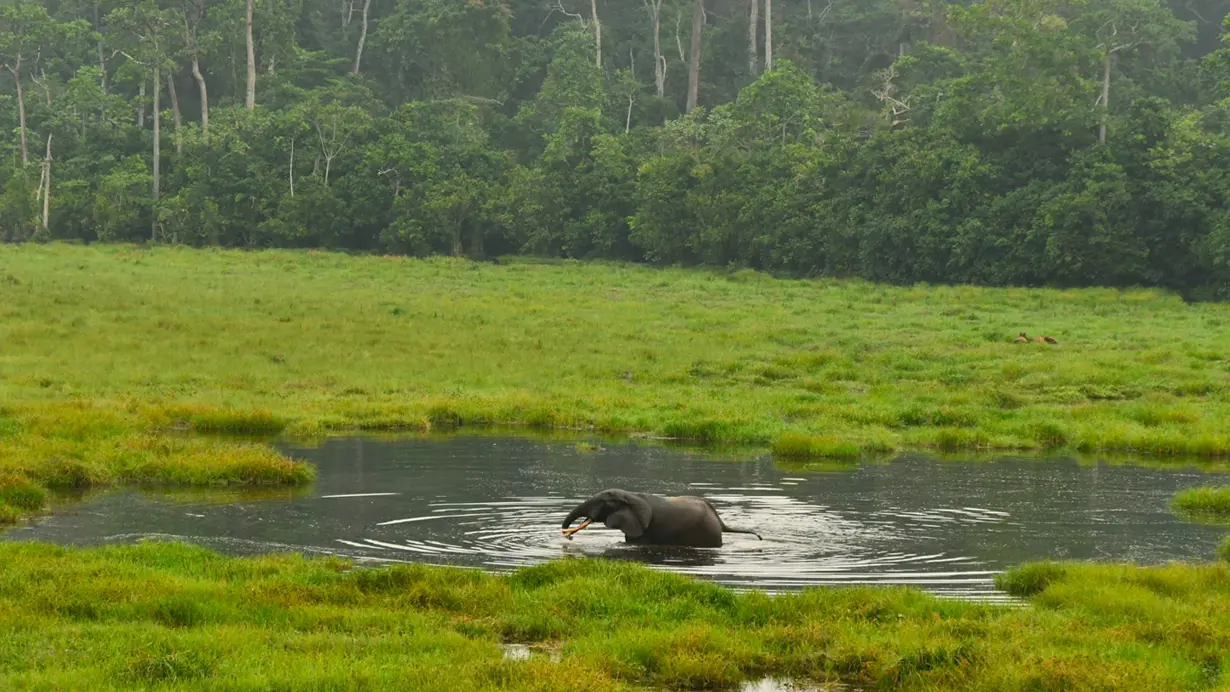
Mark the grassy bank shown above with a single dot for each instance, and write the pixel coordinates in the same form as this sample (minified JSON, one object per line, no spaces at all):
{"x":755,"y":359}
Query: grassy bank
{"x":112,"y":353}
{"x":1209,"y":501}
{"x":115,"y":618}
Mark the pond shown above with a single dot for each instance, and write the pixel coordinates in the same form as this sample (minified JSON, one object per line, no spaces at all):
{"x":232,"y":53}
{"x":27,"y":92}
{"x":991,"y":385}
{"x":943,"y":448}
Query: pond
{"x":497,"y":503}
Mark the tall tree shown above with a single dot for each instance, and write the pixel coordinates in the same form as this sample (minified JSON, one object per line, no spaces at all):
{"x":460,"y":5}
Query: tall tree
{"x":193,"y":14}
{"x":1122,"y":27}
{"x":768,"y":35}
{"x":146,"y":28}
{"x":250,"y":98}
{"x":358,"y":53}
{"x":593,"y":11}
{"x":654,"y":7}
{"x":753,"y":51}
{"x":24,"y":27}
{"x":698,"y":25}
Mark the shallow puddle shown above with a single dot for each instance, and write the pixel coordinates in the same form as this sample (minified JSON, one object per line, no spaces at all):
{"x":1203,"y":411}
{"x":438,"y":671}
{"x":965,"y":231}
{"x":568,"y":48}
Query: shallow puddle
{"x":497,"y":504}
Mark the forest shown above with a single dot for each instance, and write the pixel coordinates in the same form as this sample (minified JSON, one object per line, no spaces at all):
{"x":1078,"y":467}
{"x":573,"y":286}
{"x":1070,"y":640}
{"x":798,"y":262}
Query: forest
{"x":1003,"y":142}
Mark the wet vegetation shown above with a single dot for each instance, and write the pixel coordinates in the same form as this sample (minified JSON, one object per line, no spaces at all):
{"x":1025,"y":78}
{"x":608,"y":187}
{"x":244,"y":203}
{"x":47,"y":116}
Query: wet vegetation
{"x":1211,"y":501}
{"x":122,"y":364}
{"x":164,"y":614}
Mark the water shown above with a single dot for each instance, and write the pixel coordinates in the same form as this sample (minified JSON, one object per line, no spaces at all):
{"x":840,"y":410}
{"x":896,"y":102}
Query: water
{"x":496,"y":504}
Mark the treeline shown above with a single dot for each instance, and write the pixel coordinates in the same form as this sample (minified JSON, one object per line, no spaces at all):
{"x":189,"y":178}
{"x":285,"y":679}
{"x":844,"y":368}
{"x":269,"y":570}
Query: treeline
{"x":1065,"y":142}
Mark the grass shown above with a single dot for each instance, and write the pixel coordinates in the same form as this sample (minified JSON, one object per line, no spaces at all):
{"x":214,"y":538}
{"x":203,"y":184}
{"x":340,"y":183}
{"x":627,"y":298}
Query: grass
{"x":188,"y":618}
{"x":172,"y":369}
{"x":116,"y":358}
{"x":1210,"y":501}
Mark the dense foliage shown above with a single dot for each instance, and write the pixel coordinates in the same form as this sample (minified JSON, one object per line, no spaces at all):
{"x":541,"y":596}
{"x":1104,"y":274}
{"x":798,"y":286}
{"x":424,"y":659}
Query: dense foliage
{"x":1069,"y":142}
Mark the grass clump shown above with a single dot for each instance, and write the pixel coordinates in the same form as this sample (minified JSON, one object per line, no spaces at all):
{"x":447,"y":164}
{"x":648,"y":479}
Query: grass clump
{"x":1212,"y":501}
{"x":170,"y":614}
{"x":18,"y":496}
{"x":1223,"y":551}
{"x":797,"y":446}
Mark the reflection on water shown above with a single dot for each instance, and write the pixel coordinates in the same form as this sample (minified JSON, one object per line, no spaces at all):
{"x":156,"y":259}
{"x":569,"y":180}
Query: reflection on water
{"x":497,"y":504}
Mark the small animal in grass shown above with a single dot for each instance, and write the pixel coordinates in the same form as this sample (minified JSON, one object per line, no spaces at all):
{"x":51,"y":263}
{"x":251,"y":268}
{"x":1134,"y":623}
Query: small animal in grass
{"x":1023,"y":339}
{"x":652,"y":519}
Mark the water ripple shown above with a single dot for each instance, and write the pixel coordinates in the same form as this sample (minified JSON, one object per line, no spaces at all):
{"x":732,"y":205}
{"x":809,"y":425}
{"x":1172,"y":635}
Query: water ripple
{"x":803,"y":544}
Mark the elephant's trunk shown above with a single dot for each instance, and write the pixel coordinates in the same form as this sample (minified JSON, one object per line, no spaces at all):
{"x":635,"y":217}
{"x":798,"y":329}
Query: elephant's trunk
{"x":575,"y":514}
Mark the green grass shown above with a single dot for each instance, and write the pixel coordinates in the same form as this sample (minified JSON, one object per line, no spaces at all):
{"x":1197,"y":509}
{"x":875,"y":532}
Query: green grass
{"x":1213,"y":501}
{"x":115,"y":355}
{"x":188,"y":618}
{"x":171,"y":369}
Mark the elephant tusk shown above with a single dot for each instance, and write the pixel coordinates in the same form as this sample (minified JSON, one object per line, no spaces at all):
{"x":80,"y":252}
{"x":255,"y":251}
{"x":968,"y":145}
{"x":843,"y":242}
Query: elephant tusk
{"x":569,"y":532}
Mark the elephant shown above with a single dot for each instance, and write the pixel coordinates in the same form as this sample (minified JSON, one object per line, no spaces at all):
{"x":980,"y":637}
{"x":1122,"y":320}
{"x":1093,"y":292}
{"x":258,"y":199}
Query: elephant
{"x":653,"y":519}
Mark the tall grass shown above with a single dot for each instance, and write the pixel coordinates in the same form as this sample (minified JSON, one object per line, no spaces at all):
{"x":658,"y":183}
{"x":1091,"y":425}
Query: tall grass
{"x":166,"y":614}
{"x":110,"y":352}
{"x":1211,"y":501}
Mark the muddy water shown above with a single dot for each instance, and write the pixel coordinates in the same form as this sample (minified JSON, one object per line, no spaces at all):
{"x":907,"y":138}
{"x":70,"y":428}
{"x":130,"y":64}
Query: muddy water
{"x":947,"y":527}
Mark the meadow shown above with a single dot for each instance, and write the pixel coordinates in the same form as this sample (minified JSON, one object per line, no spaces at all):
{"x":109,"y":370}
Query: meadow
{"x":117,"y":358}
{"x":173,"y":368}
{"x":181,"y":617}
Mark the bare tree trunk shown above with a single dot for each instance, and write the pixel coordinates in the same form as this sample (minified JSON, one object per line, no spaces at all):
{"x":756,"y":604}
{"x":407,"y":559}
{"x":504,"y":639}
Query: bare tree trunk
{"x":768,"y":35}
{"x":698,"y":23}
{"x":628,"y":121}
{"x":250,"y":101}
{"x":21,"y":110}
{"x":46,"y":87}
{"x":753,"y":51}
{"x":678,"y":41}
{"x":659,"y":61}
{"x":141,"y":107}
{"x":179,"y":120}
{"x":157,"y":156}
{"x":358,"y":54}
{"x":1105,"y":98}
{"x":200,"y":82}
{"x":47,"y":185}
{"x":102,"y":61}
{"x":292,"y":166}
{"x":593,"y":10}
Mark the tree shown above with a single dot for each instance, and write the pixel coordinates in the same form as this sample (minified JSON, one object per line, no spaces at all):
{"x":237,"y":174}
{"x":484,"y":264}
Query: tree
{"x":358,"y":53}
{"x":1121,"y":27}
{"x":768,"y":35}
{"x":250,"y":97}
{"x":192,"y":12}
{"x":654,"y":7}
{"x":698,"y":24}
{"x":146,"y":28}
{"x":753,"y":51}
{"x":24,"y":28}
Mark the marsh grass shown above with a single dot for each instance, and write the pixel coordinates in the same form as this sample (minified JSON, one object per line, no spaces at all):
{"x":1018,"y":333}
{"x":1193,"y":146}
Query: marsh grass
{"x":131,"y":364}
{"x":1209,"y":501}
{"x":188,"y":618}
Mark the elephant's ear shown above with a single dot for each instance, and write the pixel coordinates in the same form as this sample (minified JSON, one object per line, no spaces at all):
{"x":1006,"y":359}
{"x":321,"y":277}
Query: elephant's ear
{"x":633,"y":517}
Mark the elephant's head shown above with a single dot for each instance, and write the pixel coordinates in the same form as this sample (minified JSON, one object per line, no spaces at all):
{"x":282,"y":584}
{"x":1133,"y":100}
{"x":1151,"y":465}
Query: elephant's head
{"x":618,"y":509}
